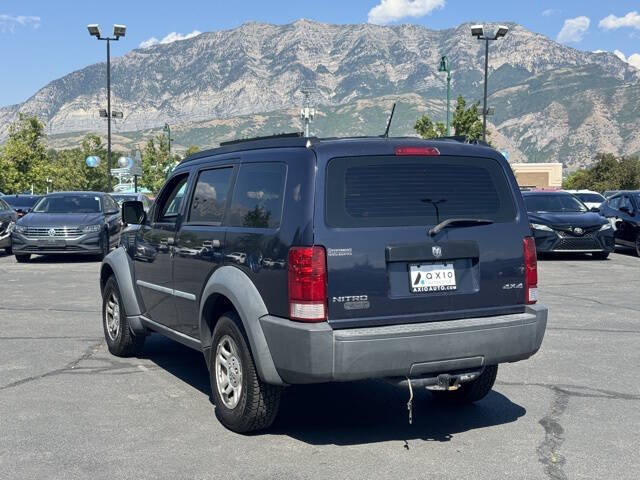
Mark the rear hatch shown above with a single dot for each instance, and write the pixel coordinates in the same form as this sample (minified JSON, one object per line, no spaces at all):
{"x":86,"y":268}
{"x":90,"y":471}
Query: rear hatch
{"x":383,"y":265}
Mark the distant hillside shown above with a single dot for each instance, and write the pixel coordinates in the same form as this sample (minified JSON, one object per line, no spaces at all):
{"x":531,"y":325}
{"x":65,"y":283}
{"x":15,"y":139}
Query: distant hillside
{"x":552,"y":102}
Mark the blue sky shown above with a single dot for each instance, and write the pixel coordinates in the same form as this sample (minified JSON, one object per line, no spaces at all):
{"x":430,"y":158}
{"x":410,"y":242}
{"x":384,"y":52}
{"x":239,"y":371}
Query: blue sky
{"x":41,"y":40}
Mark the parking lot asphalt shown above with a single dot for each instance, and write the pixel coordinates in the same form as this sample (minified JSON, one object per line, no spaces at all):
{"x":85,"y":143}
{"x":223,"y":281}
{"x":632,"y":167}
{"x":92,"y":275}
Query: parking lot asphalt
{"x":68,"y":409}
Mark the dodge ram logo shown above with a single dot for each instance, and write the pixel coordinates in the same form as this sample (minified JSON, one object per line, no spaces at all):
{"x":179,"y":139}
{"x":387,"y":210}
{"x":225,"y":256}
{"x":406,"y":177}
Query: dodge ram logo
{"x":437,"y":251}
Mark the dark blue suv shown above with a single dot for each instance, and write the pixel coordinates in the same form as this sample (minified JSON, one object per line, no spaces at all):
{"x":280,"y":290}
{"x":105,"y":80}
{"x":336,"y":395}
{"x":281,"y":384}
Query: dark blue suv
{"x":302,"y":260}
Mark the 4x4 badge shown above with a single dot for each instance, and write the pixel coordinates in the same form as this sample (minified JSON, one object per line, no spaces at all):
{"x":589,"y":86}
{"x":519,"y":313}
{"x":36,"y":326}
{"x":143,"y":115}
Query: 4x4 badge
{"x":437,"y":251}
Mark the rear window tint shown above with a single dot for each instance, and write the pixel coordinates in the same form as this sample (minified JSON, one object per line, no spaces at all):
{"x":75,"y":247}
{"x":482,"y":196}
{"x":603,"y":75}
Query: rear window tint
{"x":412,"y":191}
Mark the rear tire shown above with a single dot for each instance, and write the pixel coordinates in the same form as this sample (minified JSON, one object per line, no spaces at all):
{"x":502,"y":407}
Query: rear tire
{"x":243,"y":401}
{"x":121,"y":341}
{"x":23,"y":258}
{"x":472,"y":391}
{"x":600,"y":255}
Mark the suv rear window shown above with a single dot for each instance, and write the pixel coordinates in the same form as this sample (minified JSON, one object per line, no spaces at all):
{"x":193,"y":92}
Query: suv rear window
{"x":413,"y":191}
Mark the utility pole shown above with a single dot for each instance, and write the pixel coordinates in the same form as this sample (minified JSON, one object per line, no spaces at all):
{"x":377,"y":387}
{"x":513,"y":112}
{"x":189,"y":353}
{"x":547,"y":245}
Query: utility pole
{"x":307,"y":113}
{"x":167,"y":129}
{"x":445,"y":67}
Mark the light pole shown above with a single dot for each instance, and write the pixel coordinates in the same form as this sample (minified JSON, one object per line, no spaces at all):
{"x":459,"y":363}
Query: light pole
{"x":118,"y":31}
{"x":167,"y":129}
{"x":445,"y":67}
{"x":478,"y":32}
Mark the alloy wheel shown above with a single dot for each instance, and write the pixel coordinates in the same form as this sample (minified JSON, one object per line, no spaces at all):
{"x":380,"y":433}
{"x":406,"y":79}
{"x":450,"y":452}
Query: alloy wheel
{"x":112,"y":316}
{"x":228,"y":369}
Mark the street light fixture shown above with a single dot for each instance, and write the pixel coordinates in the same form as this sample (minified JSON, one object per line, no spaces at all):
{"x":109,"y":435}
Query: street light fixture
{"x":445,"y":67}
{"x":478,"y":32}
{"x":118,"y":31}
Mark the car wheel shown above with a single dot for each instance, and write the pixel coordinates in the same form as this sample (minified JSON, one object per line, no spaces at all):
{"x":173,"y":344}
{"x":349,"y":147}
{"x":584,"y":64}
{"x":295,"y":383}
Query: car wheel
{"x":104,"y":245}
{"x":23,"y":258}
{"x":471,"y":391}
{"x":600,"y":255}
{"x":121,"y":341}
{"x":243,"y":401}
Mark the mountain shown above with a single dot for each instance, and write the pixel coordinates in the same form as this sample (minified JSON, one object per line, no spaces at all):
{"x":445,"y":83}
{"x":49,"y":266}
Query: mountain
{"x":552,"y":102}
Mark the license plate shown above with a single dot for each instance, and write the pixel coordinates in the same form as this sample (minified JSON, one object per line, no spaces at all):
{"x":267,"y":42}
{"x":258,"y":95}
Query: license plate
{"x":52,"y":242}
{"x":433,"y":277}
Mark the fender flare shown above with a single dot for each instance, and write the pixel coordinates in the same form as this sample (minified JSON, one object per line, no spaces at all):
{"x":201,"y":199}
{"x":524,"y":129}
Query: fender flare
{"x":120,"y":264}
{"x":243,"y":294}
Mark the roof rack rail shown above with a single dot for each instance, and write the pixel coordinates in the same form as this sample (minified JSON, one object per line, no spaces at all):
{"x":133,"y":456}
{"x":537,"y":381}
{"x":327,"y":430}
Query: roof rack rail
{"x":267,"y":137}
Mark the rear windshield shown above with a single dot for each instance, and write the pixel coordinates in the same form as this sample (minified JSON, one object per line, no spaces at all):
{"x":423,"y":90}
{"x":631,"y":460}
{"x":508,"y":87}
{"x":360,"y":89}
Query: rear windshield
{"x":21,"y":201}
{"x":590,"y":197}
{"x":412,"y":191}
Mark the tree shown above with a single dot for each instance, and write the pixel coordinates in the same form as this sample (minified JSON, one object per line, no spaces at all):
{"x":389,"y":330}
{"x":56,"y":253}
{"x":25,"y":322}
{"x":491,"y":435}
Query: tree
{"x":156,"y":164}
{"x":608,"y":173}
{"x":23,"y":161}
{"x":427,"y":129}
{"x":191,"y":150}
{"x":466,"y":121}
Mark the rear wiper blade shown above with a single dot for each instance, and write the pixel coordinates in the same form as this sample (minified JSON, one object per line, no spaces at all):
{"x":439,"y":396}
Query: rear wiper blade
{"x":458,"y":222}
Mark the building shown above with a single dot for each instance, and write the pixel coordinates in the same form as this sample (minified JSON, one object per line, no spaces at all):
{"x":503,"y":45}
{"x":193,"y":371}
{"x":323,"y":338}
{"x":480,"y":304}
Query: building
{"x":538,"y":175}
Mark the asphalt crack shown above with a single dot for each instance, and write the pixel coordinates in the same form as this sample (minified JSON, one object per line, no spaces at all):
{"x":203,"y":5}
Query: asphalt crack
{"x":549,"y":449}
{"x":108,"y":365}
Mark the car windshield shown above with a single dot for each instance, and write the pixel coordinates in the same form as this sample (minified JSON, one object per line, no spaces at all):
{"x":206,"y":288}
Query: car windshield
{"x":123,"y":198}
{"x":21,"y":202}
{"x":590,"y":197}
{"x":553,"y":203}
{"x":69,"y":204}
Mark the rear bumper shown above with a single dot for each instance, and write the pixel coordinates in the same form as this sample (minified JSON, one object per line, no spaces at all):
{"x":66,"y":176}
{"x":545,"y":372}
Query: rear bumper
{"x":311,"y":353}
{"x":86,"y":244}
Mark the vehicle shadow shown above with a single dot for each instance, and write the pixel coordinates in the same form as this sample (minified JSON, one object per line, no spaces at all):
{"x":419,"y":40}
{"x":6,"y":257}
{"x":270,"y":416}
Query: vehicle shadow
{"x":348,"y":413}
{"x":66,"y":258}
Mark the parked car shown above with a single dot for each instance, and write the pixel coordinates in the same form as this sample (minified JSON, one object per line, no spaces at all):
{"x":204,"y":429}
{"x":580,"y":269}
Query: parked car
{"x":123,"y":197}
{"x":8,"y":217}
{"x":590,"y":198}
{"x":623,"y":211}
{"x":562,"y":223}
{"x":68,"y":222}
{"x":22,"y":204}
{"x":392,"y":270}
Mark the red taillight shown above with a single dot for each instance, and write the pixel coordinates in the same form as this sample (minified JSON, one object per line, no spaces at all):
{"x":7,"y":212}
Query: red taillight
{"x":419,"y":151}
{"x":530,"y":271}
{"x":308,"y":284}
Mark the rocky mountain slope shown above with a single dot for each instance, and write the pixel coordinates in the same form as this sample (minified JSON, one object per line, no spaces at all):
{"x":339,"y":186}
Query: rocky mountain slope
{"x":553,"y":103}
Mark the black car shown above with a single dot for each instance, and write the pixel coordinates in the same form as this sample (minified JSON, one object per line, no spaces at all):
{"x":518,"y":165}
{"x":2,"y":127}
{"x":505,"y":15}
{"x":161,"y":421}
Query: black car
{"x":623,"y":211}
{"x":22,"y":204}
{"x":304,"y":260}
{"x":562,"y":223}
{"x":8,"y":217}
{"x":68,"y":222}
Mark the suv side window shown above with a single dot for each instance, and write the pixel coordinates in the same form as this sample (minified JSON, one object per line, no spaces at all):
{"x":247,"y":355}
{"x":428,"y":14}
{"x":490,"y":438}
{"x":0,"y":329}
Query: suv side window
{"x":625,"y":202}
{"x":614,"y":203}
{"x":210,"y":196}
{"x":258,"y":196}
{"x":171,"y":198}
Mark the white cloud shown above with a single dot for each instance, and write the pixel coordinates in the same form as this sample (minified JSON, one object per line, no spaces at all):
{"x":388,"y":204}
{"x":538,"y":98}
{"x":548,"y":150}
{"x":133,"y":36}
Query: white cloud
{"x":9,"y":23}
{"x":549,"y":12}
{"x":169,"y":38}
{"x":574,"y":29}
{"x":633,"y":60}
{"x":611,"y":22}
{"x":388,"y":11}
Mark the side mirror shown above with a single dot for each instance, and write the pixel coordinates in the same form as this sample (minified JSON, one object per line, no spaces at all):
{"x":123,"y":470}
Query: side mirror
{"x":133,"y":212}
